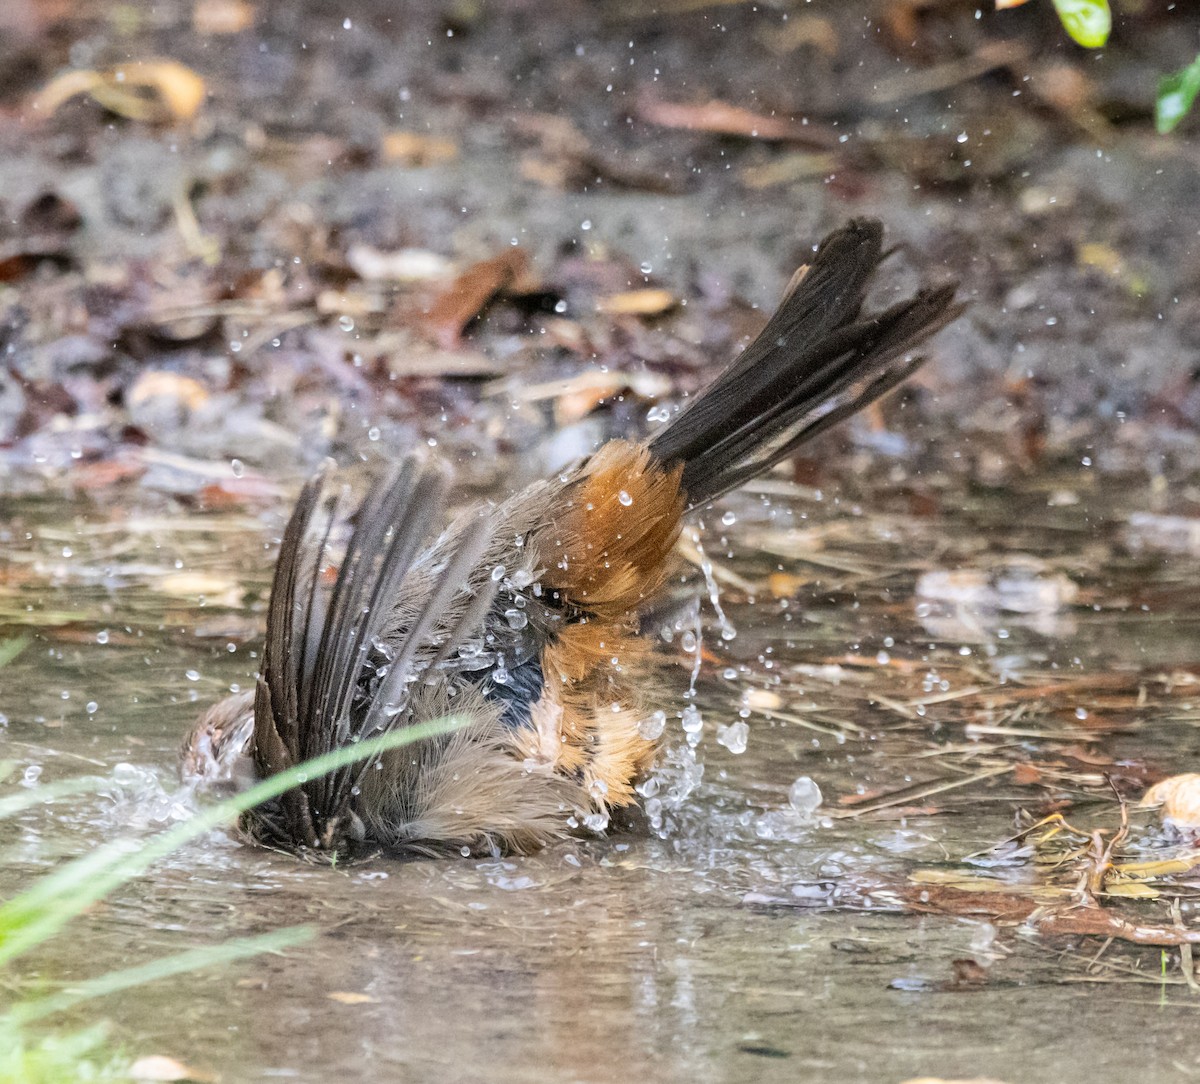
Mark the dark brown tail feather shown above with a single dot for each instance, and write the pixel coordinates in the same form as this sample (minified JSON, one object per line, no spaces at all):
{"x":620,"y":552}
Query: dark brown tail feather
{"x":318,"y":657}
{"x":815,"y":363}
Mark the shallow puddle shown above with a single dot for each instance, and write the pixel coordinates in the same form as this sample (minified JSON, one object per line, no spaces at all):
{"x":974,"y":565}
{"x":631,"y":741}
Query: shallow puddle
{"x":904,"y":662}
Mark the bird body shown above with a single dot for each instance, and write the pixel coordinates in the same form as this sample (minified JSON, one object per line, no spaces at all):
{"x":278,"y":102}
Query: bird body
{"x":522,"y":617}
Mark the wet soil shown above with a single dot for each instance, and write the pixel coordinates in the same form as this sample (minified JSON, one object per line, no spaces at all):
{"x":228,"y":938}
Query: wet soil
{"x":970,"y":611}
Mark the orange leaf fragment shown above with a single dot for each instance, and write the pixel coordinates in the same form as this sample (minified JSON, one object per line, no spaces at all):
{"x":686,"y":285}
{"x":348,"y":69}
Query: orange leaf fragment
{"x":221,"y":16}
{"x":649,"y":302}
{"x":1179,"y":797}
{"x":147,"y":90}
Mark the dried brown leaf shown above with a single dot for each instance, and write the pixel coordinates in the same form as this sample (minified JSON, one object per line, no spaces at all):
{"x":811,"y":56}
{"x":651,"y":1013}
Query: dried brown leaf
{"x":722,"y":118}
{"x":1179,"y":797}
{"x":416,"y":149}
{"x":147,"y":90}
{"x":348,"y":997}
{"x":472,"y":291}
{"x":213,"y":17}
{"x":648,"y":302}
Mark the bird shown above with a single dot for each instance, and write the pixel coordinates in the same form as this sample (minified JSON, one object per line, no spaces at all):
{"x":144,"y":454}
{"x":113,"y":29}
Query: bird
{"x":521,"y":617}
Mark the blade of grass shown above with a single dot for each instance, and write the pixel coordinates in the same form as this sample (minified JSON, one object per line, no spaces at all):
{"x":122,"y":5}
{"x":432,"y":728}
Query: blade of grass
{"x":12,"y":647}
{"x":41,"y":911}
{"x":1177,"y":93}
{"x":12,"y":804}
{"x":179,"y":963}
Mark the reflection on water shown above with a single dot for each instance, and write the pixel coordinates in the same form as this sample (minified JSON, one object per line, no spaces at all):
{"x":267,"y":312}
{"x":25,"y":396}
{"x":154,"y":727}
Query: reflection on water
{"x":874,"y":656}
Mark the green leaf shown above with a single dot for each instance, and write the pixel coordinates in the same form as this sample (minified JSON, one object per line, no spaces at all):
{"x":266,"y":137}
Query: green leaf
{"x":1089,"y":22}
{"x":1176,"y":93}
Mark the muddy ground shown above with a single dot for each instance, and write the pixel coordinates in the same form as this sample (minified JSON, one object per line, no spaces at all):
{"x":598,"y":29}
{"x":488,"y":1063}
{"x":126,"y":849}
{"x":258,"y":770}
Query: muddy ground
{"x":237,"y":236}
{"x":381,"y":224}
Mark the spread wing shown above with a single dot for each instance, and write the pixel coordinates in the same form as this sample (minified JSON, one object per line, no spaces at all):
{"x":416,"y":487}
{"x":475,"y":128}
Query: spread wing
{"x":329,"y":676}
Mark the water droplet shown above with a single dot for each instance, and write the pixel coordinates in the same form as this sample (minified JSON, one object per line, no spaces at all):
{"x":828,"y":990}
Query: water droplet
{"x":625,"y":498}
{"x":658,"y":414}
{"x":516,"y":619}
{"x":805,"y":796}
{"x":688,"y":641}
{"x":346,"y":323}
{"x":734,"y":737}
{"x":652,"y":726}
{"x":596,"y":822}
{"x":32,"y":774}
{"x":693,"y":721}
{"x":237,"y":467}
{"x":192,"y":675}
{"x":91,"y":707}
{"x":102,"y":636}
{"x":521,"y":578}
{"x":373,"y":433}
{"x":497,"y":573}
{"x":500,"y":676}
{"x":729,"y":519}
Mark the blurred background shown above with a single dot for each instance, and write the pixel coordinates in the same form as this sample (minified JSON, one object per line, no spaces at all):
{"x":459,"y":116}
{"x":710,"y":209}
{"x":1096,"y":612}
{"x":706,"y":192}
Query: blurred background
{"x":264,"y":230}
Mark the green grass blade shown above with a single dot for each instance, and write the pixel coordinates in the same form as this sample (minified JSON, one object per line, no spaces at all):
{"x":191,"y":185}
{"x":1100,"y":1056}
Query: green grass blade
{"x":12,"y":804}
{"x":39,"y":912}
{"x":192,"y":960}
{"x":1176,"y":95}
{"x":13,"y":646}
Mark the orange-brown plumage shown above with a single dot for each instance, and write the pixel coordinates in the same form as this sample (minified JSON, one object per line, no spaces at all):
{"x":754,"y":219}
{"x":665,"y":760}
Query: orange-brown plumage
{"x":608,"y":549}
{"x":524,"y":617}
{"x":617,"y":524}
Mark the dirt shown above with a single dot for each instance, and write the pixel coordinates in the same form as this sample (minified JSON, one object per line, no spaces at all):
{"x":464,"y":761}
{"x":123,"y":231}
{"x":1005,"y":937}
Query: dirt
{"x":502,"y":232}
{"x":180,"y":290}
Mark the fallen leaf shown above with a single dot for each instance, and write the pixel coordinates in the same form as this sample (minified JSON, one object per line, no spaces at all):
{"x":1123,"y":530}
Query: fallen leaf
{"x":161,"y":384}
{"x":415,"y":149}
{"x":721,"y":118}
{"x":221,"y":16}
{"x":403,"y":265}
{"x":957,"y":1080}
{"x":649,"y":302}
{"x":214,"y":588}
{"x":1179,"y":797}
{"x":346,"y":303}
{"x":799,"y":31}
{"x":146,"y":90}
{"x":1025,"y":775}
{"x":1131,"y":890}
{"x":346,"y":997}
{"x":786,"y":584}
{"x":1100,"y":256}
{"x":471,"y":292}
